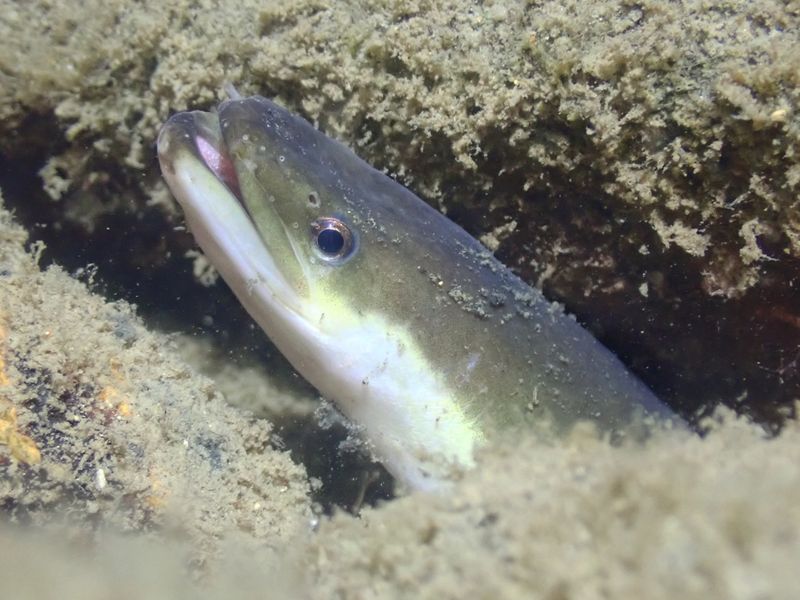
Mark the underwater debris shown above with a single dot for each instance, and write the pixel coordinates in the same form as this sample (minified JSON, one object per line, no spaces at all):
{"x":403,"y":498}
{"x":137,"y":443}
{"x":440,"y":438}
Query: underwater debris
{"x":20,"y":446}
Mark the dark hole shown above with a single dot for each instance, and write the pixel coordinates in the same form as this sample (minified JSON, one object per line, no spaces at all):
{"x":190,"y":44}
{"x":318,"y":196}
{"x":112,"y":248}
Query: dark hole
{"x":330,"y":241}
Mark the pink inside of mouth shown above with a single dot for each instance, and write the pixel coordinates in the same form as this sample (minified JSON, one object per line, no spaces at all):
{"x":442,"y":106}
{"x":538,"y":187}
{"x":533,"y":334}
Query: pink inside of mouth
{"x":219,"y":163}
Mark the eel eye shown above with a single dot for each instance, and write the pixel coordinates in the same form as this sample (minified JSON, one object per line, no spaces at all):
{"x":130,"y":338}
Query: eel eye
{"x":333,"y":239}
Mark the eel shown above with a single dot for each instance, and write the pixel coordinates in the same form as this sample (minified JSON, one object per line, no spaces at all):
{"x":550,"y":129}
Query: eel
{"x":420,"y":337}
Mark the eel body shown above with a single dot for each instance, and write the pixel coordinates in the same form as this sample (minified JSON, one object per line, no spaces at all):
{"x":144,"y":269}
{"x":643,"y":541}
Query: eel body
{"x":415,"y":331}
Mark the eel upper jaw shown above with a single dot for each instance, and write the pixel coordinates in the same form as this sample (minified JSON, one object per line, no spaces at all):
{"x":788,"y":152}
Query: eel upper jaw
{"x":202,"y":178}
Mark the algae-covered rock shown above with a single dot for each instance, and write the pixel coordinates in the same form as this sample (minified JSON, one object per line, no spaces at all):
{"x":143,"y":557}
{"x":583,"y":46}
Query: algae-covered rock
{"x":682,"y":517}
{"x":102,"y":425}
